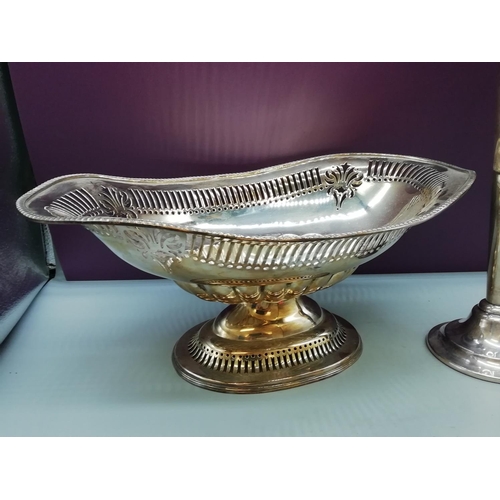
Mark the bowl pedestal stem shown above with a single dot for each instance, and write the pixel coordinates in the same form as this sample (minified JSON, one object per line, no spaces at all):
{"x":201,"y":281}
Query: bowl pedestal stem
{"x":266,"y":346}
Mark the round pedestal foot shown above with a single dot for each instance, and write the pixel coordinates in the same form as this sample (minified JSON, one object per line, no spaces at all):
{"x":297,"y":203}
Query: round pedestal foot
{"x":226,"y":364}
{"x":470,"y":346}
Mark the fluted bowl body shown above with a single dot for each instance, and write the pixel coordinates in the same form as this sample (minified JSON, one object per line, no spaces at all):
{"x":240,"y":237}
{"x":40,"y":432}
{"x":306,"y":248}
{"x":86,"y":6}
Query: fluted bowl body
{"x":265,"y":235}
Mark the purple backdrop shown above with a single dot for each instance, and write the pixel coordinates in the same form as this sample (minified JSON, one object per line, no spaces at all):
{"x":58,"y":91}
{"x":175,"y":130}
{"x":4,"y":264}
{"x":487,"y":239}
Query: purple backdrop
{"x":178,"y":119}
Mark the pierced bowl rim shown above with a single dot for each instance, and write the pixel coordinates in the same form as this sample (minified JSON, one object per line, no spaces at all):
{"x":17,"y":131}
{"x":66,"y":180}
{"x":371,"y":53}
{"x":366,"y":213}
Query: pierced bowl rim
{"x":22,"y":202}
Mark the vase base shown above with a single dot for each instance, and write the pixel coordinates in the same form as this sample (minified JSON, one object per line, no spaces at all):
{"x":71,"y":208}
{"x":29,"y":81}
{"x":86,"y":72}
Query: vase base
{"x":470,"y":346}
{"x":212,"y":362}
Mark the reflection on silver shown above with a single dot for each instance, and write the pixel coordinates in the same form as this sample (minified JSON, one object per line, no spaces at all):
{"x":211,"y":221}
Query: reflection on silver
{"x":258,"y":241}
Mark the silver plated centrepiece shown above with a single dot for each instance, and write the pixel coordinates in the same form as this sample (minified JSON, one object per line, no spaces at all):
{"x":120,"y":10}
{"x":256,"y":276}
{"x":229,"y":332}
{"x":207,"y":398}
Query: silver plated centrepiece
{"x":259,"y":241}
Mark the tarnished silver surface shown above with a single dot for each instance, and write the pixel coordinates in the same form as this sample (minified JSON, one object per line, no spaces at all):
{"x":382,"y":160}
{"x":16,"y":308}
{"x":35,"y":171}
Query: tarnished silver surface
{"x":472,"y":345}
{"x":206,"y":357}
{"x":258,"y":241}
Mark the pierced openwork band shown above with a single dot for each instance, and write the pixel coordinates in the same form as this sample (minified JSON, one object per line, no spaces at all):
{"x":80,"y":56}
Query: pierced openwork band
{"x":340,"y":182}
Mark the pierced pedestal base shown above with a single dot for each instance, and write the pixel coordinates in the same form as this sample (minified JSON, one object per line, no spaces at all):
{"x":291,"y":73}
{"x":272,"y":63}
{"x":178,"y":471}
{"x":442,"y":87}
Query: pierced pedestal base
{"x":472,"y":345}
{"x":254,"y":348}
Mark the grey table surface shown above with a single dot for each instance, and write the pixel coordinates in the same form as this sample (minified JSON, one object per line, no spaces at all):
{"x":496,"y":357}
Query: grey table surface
{"x":93,"y":359}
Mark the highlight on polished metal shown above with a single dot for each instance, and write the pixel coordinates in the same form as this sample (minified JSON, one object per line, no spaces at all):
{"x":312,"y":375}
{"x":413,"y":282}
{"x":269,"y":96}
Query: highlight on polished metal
{"x":472,"y":345}
{"x":259,"y":241}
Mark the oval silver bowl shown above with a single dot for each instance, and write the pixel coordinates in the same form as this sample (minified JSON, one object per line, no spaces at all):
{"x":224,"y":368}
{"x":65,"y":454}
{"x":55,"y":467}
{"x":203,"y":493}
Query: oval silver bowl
{"x":259,"y":241}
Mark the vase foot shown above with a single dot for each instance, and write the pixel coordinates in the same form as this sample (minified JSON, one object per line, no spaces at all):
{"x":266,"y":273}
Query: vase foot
{"x":216,"y":360}
{"x":470,"y":346}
